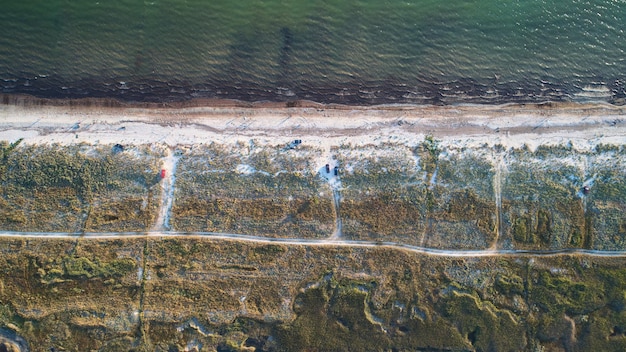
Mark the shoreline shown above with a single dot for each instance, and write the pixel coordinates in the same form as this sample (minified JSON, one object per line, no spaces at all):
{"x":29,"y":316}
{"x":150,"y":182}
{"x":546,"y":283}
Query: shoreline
{"x":26,"y":100}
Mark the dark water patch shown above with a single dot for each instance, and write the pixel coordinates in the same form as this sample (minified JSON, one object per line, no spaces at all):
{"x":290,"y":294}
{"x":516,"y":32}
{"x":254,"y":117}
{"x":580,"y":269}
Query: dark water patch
{"x":285,"y":49}
{"x":11,"y":341}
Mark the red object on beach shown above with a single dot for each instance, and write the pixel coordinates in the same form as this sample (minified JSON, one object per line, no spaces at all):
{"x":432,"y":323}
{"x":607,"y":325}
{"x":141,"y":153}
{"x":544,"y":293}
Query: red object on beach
{"x":162,"y":173}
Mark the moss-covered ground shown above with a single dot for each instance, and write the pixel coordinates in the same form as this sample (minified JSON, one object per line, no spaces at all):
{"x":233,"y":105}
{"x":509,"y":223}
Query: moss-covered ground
{"x":166,"y":294}
{"x":559,"y":197}
{"x":424,"y":195}
{"x":70,"y":294}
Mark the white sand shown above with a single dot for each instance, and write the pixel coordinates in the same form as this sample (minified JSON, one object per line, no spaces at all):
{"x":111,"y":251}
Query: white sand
{"x":461,"y":126}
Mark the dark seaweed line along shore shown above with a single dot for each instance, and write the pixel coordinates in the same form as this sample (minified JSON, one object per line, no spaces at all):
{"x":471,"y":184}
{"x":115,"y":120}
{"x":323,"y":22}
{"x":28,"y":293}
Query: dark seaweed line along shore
{"x":357,"y":92}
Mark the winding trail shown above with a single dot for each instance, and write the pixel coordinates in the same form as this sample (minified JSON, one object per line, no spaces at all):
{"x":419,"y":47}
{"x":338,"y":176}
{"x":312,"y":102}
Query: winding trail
{"x":454,"y":253}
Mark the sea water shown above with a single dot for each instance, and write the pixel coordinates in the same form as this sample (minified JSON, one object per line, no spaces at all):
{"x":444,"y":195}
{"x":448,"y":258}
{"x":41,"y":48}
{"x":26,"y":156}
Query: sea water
{"x":339,"y":51}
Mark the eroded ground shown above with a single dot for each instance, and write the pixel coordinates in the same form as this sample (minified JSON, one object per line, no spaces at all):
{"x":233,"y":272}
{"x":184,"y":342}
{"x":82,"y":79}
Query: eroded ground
{"x":169,"y":294}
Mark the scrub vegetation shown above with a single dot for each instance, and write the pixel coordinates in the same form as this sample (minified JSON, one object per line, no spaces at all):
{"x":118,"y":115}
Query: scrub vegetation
{"x":558,"y":197}
{"x":77,"y":188}
{"x":252,"y":190}
{"x":429,"y":194}
{"x":150,"y":293}
{"x":419,"y":196}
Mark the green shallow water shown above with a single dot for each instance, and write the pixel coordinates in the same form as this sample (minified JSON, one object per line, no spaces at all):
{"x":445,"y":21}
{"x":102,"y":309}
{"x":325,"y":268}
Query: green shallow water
{"x":368,"y":51}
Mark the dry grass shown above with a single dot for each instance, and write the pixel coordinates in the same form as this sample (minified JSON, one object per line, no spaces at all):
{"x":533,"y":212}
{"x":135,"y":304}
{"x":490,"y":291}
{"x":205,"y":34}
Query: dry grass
{"x":77,"y":188}
{"x":390,"y":197}
{"x":279,"y":197}
{"x":544,"y":206}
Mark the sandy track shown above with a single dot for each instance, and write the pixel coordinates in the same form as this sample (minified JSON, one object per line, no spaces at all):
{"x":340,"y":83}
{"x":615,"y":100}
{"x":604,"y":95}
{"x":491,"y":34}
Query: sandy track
{"x":319,"y":243}
{"x":169,"y":164}
{"x":497,"y":192}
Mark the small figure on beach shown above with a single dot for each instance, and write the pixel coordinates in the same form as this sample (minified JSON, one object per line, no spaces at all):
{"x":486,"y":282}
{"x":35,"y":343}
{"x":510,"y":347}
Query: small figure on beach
{"x":118,"y":148}
{"x":294,"y":144}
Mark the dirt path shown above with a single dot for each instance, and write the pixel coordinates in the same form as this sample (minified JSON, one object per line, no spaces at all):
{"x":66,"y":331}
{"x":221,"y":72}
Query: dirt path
{"x":324,"y":243}
{"x":454,"y":126}
{"x":338,"y":224}
{"x":167,"y":191}
{"x":497,"y":192}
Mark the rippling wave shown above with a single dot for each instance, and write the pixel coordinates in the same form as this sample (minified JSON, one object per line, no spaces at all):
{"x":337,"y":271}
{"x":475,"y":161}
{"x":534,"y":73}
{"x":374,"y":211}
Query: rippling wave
{"x":336,"y":51}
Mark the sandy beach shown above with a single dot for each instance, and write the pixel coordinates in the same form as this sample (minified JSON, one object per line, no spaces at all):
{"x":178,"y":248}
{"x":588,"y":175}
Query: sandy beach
{"x":509,"y":125}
